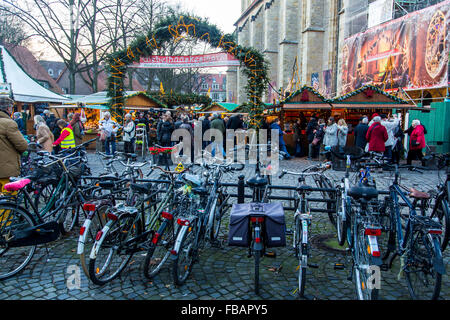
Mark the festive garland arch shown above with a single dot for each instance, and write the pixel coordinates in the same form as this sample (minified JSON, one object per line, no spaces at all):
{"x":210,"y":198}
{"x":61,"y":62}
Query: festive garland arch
{"x":175,"y":29}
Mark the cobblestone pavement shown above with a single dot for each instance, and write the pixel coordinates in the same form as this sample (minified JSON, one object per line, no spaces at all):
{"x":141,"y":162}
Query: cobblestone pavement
{"x":221,"y":273}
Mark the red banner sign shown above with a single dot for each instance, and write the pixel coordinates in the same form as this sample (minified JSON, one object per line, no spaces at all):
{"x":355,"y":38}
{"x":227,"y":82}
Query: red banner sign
{"x":410,"y":52}
{"x":220,"y":59}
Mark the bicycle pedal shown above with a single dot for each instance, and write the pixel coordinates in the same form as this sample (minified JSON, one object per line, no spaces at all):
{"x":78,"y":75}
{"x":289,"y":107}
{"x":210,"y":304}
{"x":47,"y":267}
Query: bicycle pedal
{"x":272,"y":254}
{"x":384,"y":267}
{"x":313,"y":265}
{"x":339,"y":266}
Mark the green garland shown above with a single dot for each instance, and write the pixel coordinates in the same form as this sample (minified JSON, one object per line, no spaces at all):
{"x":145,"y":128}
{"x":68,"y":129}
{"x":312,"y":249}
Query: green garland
{"x":2,"y":66}
{"x":174,"y":28}
{"x":178,"y":99}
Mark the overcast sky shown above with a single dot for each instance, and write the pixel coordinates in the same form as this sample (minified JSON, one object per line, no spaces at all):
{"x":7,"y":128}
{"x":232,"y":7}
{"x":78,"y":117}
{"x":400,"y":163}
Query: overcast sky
{"x":223,"y":13}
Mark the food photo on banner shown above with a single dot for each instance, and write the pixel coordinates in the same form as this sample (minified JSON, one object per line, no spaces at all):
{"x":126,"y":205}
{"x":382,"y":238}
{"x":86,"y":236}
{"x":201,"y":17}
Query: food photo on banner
{"x":410,"y":52}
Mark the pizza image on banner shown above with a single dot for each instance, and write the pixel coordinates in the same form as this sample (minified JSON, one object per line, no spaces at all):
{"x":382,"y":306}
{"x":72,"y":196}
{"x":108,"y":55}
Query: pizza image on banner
{"x":410,"y":52}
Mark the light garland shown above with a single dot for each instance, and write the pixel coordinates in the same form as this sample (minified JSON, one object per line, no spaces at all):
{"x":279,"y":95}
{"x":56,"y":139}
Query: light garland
{"x":175,"y":29}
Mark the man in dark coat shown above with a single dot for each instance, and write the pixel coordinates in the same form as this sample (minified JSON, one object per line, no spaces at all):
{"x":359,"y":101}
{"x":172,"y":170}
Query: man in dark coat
{"x":236,"y":122}
{"x":361,"y":132}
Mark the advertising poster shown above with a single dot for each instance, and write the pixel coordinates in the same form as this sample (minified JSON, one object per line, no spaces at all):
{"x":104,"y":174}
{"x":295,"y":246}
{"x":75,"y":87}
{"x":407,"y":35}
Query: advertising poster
{"x":315,"y":81}
{"x":410,"y":52}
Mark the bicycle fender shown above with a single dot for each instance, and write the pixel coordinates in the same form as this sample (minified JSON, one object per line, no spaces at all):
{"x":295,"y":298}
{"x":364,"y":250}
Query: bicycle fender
{"x":438,"y":261}
{"x":212,"y":213}
{"x":177,"y":245}
{"x":82,"y":238}
{"x":98,"y":243}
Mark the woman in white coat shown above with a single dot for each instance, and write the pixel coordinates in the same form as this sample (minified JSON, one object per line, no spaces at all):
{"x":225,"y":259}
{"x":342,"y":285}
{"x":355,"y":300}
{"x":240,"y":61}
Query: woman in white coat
{"x":330,"y":139}
{"x":342,"y":133}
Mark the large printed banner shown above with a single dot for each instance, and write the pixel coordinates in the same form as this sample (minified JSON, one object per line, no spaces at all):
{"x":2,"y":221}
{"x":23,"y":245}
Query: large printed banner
{"x":410,"y":52}
{"x":220,"y":59}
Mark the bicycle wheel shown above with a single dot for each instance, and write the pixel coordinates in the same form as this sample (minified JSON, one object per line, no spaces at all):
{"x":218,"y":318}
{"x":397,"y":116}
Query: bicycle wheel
{"x":302,"y":257}
{"x":182,"y":265}
{"x":87,"y":239}
{"x":442,"y":212}
{"x":69,"y":218}
{"x":424,"y":283}
{"x":14,"y":259}
{"x":159,"y":252}
{"x":364,"y":289}
{"x":217,"y":219}
{"x":43,"y":196}
{"x":325,"y":183}
{"x":341,"y":223}
{"x":113,"y":254}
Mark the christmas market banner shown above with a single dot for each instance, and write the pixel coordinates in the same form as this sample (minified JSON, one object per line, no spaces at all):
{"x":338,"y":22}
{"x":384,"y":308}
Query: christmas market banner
{"x":411,"y":52}
{"x":221,"y":59}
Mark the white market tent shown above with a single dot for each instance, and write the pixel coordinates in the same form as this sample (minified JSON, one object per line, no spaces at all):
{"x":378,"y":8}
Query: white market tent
{"x":24,"y":88}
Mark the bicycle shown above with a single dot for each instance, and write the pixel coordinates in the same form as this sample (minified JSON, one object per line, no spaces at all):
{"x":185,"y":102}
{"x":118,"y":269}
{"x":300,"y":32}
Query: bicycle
{"x":302,"y":220}
{"x":128,"y":231}
{"x":417,"y":242}
{"x":23,"y":229}
{"x":441,"y":208}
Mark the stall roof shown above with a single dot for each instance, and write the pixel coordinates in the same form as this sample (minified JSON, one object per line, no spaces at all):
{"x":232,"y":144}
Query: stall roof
{"x":25,"y":89}
{"x":370,"y":97}
{"x":101,"y":98}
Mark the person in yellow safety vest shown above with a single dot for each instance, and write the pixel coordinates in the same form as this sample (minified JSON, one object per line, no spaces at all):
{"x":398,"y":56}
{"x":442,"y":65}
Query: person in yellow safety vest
{"x":67,"y":138}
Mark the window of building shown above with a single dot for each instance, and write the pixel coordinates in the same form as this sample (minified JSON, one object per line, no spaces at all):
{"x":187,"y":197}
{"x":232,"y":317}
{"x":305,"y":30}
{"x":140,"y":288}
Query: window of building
{"x":215,"y":86}
{"x":50,"y":72}
{"x":205,"y":86}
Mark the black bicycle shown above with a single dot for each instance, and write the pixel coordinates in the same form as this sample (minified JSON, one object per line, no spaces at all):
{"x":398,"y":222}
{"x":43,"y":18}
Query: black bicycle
{"x":416,"y":239}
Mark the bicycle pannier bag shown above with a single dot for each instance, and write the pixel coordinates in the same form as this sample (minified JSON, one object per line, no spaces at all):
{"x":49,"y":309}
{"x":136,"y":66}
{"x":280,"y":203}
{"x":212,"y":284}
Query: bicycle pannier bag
{"x":275,"y":225}
{"x":274,"y":233}
{"x":239,"y":226}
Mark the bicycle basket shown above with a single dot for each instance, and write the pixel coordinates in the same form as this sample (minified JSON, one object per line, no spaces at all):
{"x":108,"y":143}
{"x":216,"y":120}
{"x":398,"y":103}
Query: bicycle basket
{"x":47,"y":175}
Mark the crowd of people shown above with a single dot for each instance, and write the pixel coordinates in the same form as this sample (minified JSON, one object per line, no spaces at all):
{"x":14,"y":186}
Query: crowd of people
{"x":381,"y":133}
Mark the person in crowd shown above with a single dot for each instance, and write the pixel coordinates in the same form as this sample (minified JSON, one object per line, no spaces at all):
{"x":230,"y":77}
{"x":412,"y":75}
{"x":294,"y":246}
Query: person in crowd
{"x":390,"y":124}
{"x":311,"y":129}
{"x":12,"y":143}
{"x":297,"y":137}
{"x":377,"y":135}
{"x":70,"y":117}
{"x":109,"y":129}
{"x":129,"y":134}
{"x":46,"y":116}
{"x":398,"y":149}
{"x":342,"y":133}
{"x":56,"y":134}
{"x":179,"y":122}
{"x":276,"y":126}
{"x":44,"y":137}
{"x":67,"y":139}
{"x":164,"y":132}
{"x":330,"y":139}
{"x":219,"y":125}
{"x":361,"y":132}
{"x":206,"y":125}
{"x":51,"y":122}
{"x":316,"y":144}
{"x":417,"y":142}
{"x":20,"y":123}
{"x":78,"y":128}
{"x":236,"y":122}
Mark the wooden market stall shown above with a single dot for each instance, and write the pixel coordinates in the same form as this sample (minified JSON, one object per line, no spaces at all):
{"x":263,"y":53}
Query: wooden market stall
{"x":93,"y":107}
{"x":367,"y":101}
{"x":222,"y":108}
{"x":301,"y":104}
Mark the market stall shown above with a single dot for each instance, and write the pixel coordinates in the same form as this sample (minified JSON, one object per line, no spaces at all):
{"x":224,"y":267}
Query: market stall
{"x":30,"y":98}
{"x":366,"y":101}
{"x":301,"y":104}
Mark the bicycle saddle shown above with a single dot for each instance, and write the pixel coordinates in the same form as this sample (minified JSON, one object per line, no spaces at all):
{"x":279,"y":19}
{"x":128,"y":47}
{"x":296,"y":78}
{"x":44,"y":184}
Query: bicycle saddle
{"x":257,"y":181}
{"x":363,"y":192}
{"x":132,"y":156}
{"x":142,"y":188}
{"x":16,"y":186}
{"x":418,"y":194}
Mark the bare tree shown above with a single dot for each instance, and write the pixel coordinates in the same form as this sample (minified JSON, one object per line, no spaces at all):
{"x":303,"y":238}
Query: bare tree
{"x":11,"y":30}
{"x":48,"y":20}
